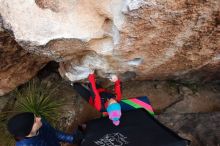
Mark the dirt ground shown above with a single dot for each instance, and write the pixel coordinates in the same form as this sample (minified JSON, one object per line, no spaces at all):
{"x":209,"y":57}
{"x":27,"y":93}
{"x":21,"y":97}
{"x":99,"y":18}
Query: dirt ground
{"x":169,"y":99}
{"x":175,"y":104}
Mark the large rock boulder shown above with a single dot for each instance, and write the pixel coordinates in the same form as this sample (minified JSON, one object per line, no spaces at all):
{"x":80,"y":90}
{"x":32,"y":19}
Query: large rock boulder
{"x":201,"y":129}
{"x":17,"y":65}
{"x":201,"y":99}
{"x":156,"y":39}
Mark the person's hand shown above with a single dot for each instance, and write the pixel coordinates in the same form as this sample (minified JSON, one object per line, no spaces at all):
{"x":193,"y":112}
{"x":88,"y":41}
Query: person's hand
{"x":113,"y":78}
{"x":92,"y":71}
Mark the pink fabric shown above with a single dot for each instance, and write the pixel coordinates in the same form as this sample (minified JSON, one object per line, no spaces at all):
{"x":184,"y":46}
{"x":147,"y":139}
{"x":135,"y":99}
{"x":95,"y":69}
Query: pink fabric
{"x":143,"y":104}
{"x":116,"y":123}
{"x":115,"y":116}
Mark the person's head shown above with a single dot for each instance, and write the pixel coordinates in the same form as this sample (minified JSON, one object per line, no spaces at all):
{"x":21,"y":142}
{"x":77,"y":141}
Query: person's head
{"x":24,"y":125}
{"x":114,"y":111}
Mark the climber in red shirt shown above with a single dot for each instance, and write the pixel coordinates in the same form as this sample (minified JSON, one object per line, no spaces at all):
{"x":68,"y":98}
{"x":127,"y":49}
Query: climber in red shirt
{"x":102,"y":99}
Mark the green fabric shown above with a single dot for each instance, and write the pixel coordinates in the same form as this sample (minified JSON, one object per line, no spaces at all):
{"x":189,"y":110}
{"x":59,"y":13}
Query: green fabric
{"x":132,"y":103}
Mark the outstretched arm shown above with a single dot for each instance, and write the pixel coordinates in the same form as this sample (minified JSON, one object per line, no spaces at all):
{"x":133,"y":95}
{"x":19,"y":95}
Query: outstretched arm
{"x":64,"y":137}
{"x":75,"y":138}
{"x":61,"y":136}
{"x":97,"y":99}
{"x":117,"y":82}
{"x":118,"y":90}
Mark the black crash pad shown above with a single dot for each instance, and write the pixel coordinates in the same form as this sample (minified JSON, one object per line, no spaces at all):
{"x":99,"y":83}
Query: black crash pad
{"x":137,"y":128}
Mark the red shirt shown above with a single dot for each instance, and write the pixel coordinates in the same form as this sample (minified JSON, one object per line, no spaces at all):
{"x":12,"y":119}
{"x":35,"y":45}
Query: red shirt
{"x":97,"y":100}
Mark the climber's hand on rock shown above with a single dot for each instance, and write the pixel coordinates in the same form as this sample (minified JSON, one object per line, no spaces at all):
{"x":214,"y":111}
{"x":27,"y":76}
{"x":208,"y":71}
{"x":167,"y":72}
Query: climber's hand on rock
{"x":92,"y":71}
{"x":113,"y":78}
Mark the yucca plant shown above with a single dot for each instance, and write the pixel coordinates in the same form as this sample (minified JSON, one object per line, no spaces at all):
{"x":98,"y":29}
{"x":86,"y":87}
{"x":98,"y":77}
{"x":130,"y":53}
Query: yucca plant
{"x":39,"y":98}
{"x":35,"y":97}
